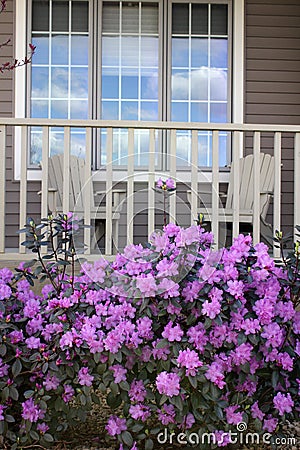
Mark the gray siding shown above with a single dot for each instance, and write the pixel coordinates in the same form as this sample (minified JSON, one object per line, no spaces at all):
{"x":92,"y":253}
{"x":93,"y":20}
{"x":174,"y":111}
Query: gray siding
{"x":7,"y":110}
{"x":272,"y":79}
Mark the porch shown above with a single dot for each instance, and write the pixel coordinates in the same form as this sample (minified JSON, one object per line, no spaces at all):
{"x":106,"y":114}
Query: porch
{"x":140,"y":211}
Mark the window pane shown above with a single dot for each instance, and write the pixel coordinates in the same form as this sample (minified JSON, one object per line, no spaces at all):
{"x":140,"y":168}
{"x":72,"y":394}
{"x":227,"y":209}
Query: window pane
{"x":129,"y":111}
{"x":80,"y":16}
{"x":180,"y":18}
{"x":56,"y":142}
{"x":110,"y":51}
{"x":149,"y":20}
{"x":199,"y":112}
{"x":78,"y":141}
{"x":80,"y":50}
{"x":149,"y":51}
{"x":199,"y":52}
{"x":59,"y":109}
{"x":110,"y":110}
{"x":219,"y":53}
{"x":79,"y":82}
{"x":40,"y":82}
{"x":179,"y":112}
{"x":60,"y":50}
{"x":40,"y":15}
{"x":60,"y":16}
{"x":199,"y":19}
{"x":149,"y":111}
{"x":180,"y":84}
{"x":199,"y":84}
{"x":180,"y":52}
{"x":218,"y":112}
{"x":130,"y":18}
{"x":183,"y":147}
{"x":149,"y":85}
{"x":110,"y":18}
{"x":39,"y":109}
{"x":79,"y":109}
{"x":129,"y":84}
{"x":41,"y":55}
{"x":218,"y":84}
{"x":110,"y":84}
{"x":130,"y":51}
{"x":59,"y":82}
{"x":219,"y":19}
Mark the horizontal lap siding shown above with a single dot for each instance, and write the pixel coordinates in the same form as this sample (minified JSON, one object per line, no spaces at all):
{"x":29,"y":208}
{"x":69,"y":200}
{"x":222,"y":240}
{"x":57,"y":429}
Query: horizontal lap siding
{"x":7,"y":110}
{"x":272,"y":88}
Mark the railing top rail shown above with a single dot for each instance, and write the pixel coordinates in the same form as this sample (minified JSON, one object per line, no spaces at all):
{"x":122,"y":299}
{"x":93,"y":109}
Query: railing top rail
{"x":149,"y":125}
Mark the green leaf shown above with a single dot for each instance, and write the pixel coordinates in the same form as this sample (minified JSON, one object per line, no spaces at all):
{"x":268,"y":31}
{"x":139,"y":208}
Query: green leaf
{"x":193,"y":381}
{"x":9,"y":418}
{"x":13,"y":393}
{"x":3,"y":350}
{"x":34,"y":435}
{"x":149,"y":444}
{"x":48,"y":438}
{"x":127,"y":438}
{"x":28,"y":394}
{"x":16,"y":368}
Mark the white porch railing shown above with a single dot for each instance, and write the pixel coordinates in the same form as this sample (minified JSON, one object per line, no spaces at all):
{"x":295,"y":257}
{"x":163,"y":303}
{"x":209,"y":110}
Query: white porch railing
{"x":190,"y":176}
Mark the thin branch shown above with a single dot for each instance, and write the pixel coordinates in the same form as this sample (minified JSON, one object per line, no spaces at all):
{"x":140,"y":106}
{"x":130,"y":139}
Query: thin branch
{"x":11,"y":65}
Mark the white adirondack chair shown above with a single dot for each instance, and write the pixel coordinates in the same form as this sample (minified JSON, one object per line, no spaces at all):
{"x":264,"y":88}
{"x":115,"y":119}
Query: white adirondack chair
{"x":76,"y":195}
{"x":246,"y":197}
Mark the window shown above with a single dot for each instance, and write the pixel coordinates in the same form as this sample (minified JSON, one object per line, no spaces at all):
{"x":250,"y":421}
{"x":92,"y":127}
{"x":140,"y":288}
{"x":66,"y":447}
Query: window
{"x":140,"y":60}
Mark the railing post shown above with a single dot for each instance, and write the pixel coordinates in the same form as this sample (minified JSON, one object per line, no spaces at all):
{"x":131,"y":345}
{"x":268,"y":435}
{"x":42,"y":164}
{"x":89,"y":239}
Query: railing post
{"x":256,"y":187}
{"x":236,"y":184}
{"x":194,"y":177}
{"x":23,"y":186}
{"x":108,"y":221}
{"x":215,"y":186}
{"x":45,"y":177}
{"x":66,"y":169}
{"x":2,"y":186}
{"x":130,"y":186}
{"x":151,"y":182}
{"x":172,"y":198}
{"x":277,"y":189}
{"x":88,"y":190}
{"x":296,"y":183}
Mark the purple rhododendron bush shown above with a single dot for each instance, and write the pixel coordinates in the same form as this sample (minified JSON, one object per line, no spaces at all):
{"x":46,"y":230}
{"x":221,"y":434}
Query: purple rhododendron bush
{"x":179,"y":337}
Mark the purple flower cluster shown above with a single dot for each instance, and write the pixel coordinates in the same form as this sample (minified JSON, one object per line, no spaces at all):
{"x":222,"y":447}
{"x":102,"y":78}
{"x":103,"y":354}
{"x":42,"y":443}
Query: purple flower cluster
{"x":167,"y":330}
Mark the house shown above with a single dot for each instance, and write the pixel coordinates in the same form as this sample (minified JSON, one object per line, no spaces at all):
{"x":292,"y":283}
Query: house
{"x":143,"y":89}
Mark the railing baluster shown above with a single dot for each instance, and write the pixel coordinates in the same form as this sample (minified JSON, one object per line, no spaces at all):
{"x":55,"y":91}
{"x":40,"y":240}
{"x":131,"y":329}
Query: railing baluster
{"x":2,"y":186}
{"x":66,"y":169}
{"x":151,"y":182}
{"x":172,"y":198}
{"x":256,"y":187}
{"x":215,"y":185}
{"x":108,"y":187}
{"x":45,"y":177}
{"x":130,"y":186}
{"x":296,"y":184}
{"x":277,"y":189}
{"x":23,"y":186}
{"x":236,"y":183}
{"x":194,"y":177}
{"x":88,"y":190}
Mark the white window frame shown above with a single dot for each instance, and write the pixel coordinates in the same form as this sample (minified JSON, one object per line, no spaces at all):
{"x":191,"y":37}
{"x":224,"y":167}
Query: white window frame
{"x":20,"y":87}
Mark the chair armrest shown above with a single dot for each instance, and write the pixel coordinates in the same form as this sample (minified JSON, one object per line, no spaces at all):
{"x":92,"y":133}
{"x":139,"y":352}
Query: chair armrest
{"x":49,"y":190}
{"x":117,"y":194}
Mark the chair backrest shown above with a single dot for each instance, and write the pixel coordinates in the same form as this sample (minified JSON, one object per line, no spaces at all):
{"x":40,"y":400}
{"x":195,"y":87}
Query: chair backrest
{"x":76,"y":179}
{"x":247,"y":183}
